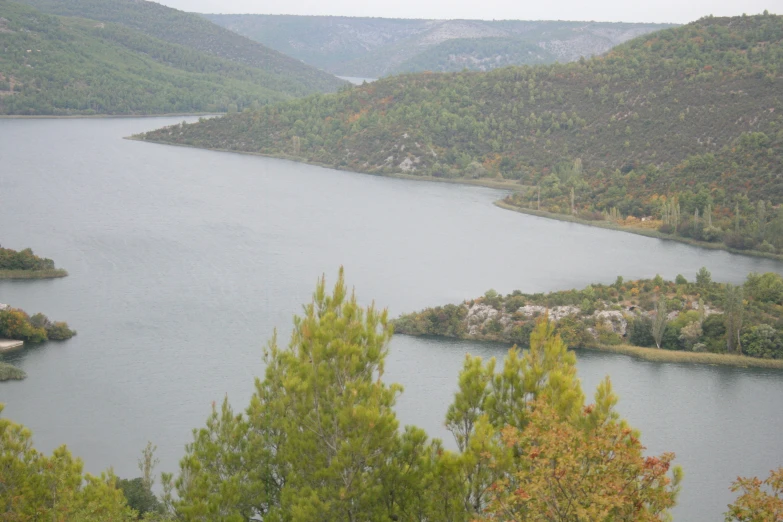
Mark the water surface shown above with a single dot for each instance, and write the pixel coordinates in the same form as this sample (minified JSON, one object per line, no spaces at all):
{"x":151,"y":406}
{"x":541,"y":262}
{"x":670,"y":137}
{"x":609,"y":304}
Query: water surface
{"x":184,"y":261}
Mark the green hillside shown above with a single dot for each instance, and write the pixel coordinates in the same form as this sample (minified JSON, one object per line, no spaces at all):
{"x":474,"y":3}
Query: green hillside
{"x":60,"y":65}
{"x":477,"y":54}
{"x":693,"y":113}
{"x":194,"y":32}
{"x":377,"y":47}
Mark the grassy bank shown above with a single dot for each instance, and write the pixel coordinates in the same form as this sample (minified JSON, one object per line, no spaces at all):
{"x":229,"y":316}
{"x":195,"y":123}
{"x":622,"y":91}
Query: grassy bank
{"x":9,"y":373}
{"x":33,"y":274}
{"x":489,"y":183}
{"x":610,"y":225}
{"x":673,"y":356}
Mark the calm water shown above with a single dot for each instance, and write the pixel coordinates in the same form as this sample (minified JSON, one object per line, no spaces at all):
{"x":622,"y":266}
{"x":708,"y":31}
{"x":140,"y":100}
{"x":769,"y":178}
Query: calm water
{"x":183,"y":262}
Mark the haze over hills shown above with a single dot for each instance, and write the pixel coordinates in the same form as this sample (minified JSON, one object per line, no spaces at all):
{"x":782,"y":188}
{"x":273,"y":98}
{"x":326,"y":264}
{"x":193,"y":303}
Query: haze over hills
{"x":195,"y":33}
{"x":377,"y":47}
{"x":685,"y":112}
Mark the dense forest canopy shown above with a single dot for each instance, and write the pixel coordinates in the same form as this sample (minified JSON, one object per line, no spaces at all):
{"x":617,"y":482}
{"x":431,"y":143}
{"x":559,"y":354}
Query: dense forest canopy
{"x":196,"y":33}
{"x":689,"y":116}
{"x":53,"y":65}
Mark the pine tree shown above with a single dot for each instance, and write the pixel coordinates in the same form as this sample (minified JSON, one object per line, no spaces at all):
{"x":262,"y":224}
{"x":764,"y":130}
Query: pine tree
{"x":325,"y":397}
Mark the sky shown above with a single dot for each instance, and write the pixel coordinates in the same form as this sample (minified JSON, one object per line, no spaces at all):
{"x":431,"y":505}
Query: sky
{"x":661,"y":11}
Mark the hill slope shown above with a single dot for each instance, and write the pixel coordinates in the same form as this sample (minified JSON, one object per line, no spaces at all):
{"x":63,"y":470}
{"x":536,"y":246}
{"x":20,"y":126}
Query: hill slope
{"x":693,"y":113}
{"x":196,"y":33}
{"x":376,"y":47}
{"x":60,"y":65}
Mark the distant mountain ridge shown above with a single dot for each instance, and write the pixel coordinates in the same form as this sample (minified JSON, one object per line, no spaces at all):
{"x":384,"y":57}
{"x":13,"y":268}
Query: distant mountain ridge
{"x":195,"y":33}
{"x":377,"y":47}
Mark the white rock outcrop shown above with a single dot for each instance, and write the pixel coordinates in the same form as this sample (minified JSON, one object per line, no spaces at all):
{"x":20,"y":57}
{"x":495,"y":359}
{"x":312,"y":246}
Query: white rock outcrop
{"x":555,"y":314}
{"x":614,"y":320}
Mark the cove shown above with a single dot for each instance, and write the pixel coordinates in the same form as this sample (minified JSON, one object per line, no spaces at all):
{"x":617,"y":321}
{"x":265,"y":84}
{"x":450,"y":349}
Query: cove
{"x":183,"y":261}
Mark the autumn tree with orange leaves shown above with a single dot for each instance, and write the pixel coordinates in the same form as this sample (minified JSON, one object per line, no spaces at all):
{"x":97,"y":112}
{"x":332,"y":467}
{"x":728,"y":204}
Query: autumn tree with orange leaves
{"x":760,"y":501}
{"x":563,"y":472}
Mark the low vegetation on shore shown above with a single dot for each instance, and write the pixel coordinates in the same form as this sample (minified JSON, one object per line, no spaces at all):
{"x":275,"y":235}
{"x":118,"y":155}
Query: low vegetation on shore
{"x":9,"y":372}
{"x":25,"y":264}
{"x":18,"y":325}
{"x":698,"y":321}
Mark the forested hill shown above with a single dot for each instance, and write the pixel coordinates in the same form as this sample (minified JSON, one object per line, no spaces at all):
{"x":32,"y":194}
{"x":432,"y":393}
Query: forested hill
{"x":53,"y":65}
{"x":694,"y":110}
{"x":196,"y":33}
{"x":376,"y":47}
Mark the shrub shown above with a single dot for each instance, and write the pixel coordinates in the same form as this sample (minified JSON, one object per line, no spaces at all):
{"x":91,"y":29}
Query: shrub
{"x":640,"y":331}
{"x":762,"y":341}
{"x":15,"y":324}
{"x":738,"y":240}
{"x":711,"y":234}
{"x":59,"y":331}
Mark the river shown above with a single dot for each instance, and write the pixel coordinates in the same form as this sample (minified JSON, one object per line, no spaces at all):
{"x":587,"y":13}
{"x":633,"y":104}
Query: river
{"x":182,"y":263}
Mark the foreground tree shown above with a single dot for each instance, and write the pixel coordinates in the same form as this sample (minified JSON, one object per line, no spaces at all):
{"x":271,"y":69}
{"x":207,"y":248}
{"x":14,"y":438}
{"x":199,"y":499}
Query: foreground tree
{"x":566,"y":473}
{"x":320,"y":440}
{"x":531,"y":450}
{"x":36,"y":487}
{"x":760,"y":501}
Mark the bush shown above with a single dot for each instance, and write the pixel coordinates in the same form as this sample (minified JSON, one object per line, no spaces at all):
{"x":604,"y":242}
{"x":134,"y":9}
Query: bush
{"x":711,"y":234}
{"x":762,"y":341}
{"x":592,"y":216}
{"x":640,"y":331}
{"x":714,"y":327}
{"x":15,"y":324}
{"x":666,"y":229}
{"x":59,"y":331}
{"x":738,"y":241}
{"x":8,"y":372}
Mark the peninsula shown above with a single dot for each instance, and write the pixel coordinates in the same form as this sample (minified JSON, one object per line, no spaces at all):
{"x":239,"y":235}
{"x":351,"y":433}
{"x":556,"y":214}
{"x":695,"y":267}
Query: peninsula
{"x":676,"y":321}
{"x":677,"y":133}
{"x":25,"y":264}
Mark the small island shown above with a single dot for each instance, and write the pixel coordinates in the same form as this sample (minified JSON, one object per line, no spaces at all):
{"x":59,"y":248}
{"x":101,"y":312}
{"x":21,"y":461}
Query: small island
{"x":26,"y":265}
{"x":675,"y":321}
{"x":17,"y":325}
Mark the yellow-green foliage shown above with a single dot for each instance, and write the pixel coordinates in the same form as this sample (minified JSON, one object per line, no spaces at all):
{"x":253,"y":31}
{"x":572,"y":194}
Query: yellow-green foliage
{"x":40,"y":487}
{"x":17,"y":324}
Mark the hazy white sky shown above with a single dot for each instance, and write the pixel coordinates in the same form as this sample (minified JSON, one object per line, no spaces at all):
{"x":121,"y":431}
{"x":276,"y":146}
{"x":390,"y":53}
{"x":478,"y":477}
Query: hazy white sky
{"x":679,"y":11}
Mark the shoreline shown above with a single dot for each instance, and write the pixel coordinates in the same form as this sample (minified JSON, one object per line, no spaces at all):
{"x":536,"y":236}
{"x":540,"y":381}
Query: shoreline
{"x":658,"y":355}
{"x":674,"y":356}
{"x":100,"y":116}
{"x":498,"y":185}
{"x":487,"y":183}
{"x":32,"y":274}
{"x":608,"y":225}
